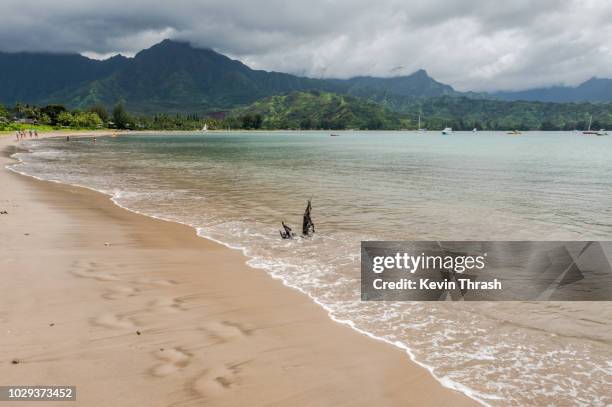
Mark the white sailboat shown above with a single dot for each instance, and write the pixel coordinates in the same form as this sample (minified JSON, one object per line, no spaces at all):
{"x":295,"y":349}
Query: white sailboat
{"x":447,"y":130}
{"x":588,"y":130}
{"x":205,"y":128}
{"x":601,"y":132}
{"x":419,"y":126}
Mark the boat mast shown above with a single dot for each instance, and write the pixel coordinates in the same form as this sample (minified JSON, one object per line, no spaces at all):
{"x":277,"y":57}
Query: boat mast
{"x":590,"y":120}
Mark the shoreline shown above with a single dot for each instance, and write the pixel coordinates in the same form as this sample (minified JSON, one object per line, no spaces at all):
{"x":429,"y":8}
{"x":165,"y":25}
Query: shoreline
{"x":376,"y":352}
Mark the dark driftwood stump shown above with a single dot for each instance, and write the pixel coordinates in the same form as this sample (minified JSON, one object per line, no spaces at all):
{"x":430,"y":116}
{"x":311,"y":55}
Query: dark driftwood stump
{"x":307,"y":223}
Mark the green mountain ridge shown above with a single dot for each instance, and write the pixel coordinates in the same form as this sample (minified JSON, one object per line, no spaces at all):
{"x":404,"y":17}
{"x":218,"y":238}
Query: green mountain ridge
{"x":34,"y":77}
{"x":323,"y":110}
{"x":316,"y":110}
{"x":464,"y":113}
{"x":418,"y":84}
{"x":592,"y":90}
{"x":174,"y":77}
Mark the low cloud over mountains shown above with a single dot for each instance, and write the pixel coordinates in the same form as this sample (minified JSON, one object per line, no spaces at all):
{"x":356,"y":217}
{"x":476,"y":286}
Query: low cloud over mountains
{"x":472,"y":45}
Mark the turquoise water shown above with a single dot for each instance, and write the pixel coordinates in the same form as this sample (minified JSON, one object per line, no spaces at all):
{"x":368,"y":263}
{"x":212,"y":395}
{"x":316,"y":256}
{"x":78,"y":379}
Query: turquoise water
{"x":237,"y":187}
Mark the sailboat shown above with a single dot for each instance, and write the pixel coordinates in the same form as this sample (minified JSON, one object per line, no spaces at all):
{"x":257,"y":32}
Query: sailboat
{"x":601,"y":132}
{"x":447,"y":130}
{"x":588,"y":130}
{"x":419,"y":126}
{"x":205,"y":128}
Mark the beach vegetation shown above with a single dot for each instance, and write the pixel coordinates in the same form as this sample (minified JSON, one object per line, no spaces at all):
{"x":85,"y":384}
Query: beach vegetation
{"x":49,"y":117}
{"x":121,"y":119}
{"x":101,"y":111}
{"x":64,"y":119}
{"x":49,"y":114}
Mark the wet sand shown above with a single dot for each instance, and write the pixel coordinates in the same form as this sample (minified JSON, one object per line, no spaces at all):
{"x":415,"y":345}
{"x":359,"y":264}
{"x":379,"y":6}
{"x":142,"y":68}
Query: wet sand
{"x":138,"y":311}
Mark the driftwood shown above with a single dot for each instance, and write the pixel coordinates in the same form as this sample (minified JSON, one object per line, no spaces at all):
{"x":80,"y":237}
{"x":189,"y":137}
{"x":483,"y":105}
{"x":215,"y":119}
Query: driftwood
{"x":308,"y":226}
{"x":286,"y":233}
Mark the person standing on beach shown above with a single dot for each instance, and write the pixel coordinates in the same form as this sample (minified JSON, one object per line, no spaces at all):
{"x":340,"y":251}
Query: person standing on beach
{"x":35,"y":133}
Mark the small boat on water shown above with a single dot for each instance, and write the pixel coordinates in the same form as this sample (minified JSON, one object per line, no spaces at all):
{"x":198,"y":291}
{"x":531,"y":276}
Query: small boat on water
{"x":447,"y":130}
{"x":205,"y":128}
{"x":474,"y":130}
{"x":334,"y":135}
{"x":588,"y":131}
{"x":601,"y":132}
{"x":419,"y":126}
{"x":513,"y":132}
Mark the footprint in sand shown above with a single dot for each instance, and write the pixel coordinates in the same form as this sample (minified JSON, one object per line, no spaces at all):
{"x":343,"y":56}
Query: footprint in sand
{"x":173,"y":360}
{"x":158,"y":282}
{"x":92,"y":270}
{"x":165,"y":305}
{"x":120,"y":292}
{"x":217,"y":379}
{"x":225,"y":331}
{"x":114,"y":321}
{"x":156,"y":308}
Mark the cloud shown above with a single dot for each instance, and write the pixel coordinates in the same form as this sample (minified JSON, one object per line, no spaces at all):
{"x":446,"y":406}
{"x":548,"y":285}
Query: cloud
{"x":472,"y":45}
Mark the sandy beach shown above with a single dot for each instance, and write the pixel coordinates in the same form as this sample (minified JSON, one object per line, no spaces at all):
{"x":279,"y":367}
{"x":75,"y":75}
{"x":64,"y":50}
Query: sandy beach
{"x":137,"y":311}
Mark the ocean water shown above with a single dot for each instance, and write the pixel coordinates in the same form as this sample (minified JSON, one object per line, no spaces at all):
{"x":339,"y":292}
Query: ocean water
{"x":236,"y":188}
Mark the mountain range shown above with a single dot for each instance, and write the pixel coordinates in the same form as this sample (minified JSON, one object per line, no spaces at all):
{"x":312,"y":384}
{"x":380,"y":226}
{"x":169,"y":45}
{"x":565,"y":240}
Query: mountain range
{"x":593,"y":90}
{"x":318,"y":110}
{"x":173,"y":76}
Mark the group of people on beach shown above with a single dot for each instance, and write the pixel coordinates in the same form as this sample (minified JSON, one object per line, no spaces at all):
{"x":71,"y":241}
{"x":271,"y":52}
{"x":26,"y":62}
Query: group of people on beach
{"x":22,"y":134}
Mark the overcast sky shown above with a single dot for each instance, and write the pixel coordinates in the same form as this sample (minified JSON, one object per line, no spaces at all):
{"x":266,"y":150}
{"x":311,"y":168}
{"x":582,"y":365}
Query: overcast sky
{"x":471,"y":45}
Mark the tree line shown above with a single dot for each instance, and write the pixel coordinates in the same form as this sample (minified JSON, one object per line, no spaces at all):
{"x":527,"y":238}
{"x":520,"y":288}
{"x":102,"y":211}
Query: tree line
{"x":308,"y":111}
{"x":56,"y":116}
